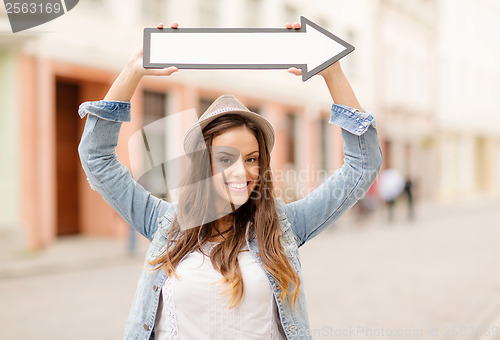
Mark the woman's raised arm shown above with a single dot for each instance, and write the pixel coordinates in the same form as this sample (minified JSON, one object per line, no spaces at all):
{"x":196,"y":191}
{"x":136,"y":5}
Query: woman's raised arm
{"x":362,"y":161}
{"x":105,"y":173}
{"x":124,"y":86}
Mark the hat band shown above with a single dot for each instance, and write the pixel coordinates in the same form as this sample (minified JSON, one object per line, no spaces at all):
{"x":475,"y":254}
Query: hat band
{"x":224,"y":109}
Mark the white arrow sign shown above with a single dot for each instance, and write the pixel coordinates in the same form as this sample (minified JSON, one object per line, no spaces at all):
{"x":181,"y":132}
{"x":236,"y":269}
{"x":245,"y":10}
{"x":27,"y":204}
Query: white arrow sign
{"x":311,"y":48}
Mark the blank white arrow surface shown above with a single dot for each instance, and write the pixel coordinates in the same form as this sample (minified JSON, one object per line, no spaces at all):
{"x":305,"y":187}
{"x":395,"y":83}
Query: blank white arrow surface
{"x":311,"y":48}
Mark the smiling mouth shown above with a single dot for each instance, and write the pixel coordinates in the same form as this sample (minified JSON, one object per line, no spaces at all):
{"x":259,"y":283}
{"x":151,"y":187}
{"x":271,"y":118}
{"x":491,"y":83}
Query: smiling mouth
{"x":238,"y":187}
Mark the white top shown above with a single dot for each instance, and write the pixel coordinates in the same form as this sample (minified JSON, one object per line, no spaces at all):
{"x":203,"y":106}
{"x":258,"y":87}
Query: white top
{"x":193,"y":307}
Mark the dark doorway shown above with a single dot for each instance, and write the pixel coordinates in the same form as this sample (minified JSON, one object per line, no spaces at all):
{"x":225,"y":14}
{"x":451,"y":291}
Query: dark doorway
{"x":67,"y":133}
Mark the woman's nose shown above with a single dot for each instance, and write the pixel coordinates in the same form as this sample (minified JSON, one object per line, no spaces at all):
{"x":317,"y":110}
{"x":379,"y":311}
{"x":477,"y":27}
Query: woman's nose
{"x":238,"y":169}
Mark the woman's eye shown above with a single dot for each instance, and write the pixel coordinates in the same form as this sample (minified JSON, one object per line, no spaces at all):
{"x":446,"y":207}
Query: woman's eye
{"x":252,"y":160}
{"x":225,"y":161}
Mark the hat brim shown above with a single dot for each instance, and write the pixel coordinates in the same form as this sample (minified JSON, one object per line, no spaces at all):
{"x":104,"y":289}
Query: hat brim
{"x":194,"y":135}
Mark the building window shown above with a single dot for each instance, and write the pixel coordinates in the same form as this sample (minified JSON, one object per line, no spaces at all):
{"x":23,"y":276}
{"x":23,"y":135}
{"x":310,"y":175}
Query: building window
{"x":290,"y":14}
{"x":350,"y":62}
{"x":290,"y":125}
{"x":253,"y":14}
{"x":153,"y":10}
{"x":326,"y":24}
{"x":154,"y":106}
{"x":209,"y":13}
{"x":203,"y":105}
{"x":325,"y":148}
{"x":154,"y":138}
{"x":255,"y":109}
{"x":386,"y":151}
{"x":289,"y":181}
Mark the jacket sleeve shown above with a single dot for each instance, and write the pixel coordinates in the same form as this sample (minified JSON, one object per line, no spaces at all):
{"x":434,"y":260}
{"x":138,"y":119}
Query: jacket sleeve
{"x":362,"y":162}
{"x":107,"y":175}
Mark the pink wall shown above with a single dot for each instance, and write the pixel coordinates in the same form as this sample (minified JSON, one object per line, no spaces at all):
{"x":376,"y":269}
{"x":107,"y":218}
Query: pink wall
{"x":38,"y":140}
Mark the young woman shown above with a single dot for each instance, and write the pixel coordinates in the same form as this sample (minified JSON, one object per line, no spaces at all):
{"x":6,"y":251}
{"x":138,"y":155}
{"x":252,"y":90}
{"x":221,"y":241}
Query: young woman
{"x":224,"y":262}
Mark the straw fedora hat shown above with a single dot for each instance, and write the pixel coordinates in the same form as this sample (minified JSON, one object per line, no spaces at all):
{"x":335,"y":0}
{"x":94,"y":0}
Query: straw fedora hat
{"x":225,"y":104}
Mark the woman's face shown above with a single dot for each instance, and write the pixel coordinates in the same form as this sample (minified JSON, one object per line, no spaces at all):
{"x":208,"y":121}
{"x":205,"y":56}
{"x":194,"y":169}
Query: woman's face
{"x":235,"y":166}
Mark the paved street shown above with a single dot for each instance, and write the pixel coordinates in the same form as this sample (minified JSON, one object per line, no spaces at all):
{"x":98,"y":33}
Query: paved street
{"x":435,"y":278}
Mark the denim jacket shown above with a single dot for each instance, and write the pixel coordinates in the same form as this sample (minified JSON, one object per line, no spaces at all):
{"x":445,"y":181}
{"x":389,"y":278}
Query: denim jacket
{"x":152,"y":217}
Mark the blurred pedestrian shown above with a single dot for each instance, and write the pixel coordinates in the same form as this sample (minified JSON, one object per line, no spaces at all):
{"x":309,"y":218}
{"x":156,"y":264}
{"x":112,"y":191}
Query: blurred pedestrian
{"x":390,"y":186}
{"x":408,"y":190}
{"x":224,"y":261}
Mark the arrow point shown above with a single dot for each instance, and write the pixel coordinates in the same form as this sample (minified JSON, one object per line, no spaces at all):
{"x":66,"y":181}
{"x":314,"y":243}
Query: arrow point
{"x":325,"y":48}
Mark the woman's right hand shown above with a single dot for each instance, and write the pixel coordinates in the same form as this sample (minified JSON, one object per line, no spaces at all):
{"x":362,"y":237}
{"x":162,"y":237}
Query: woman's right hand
{"x":135,"y":62}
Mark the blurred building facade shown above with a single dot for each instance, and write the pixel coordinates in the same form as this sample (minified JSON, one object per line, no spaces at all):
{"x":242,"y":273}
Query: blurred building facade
{"x":467,"y":115}
{"x":434,"y":104}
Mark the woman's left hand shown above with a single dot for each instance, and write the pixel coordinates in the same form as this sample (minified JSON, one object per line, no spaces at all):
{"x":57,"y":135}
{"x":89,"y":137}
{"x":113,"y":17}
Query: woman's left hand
{"x":298,"y":72}
{"x":294,"y":70}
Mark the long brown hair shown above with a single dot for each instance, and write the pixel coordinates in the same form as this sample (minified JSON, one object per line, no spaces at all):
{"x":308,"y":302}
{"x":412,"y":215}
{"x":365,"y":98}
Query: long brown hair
{"x":258,"y":214}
